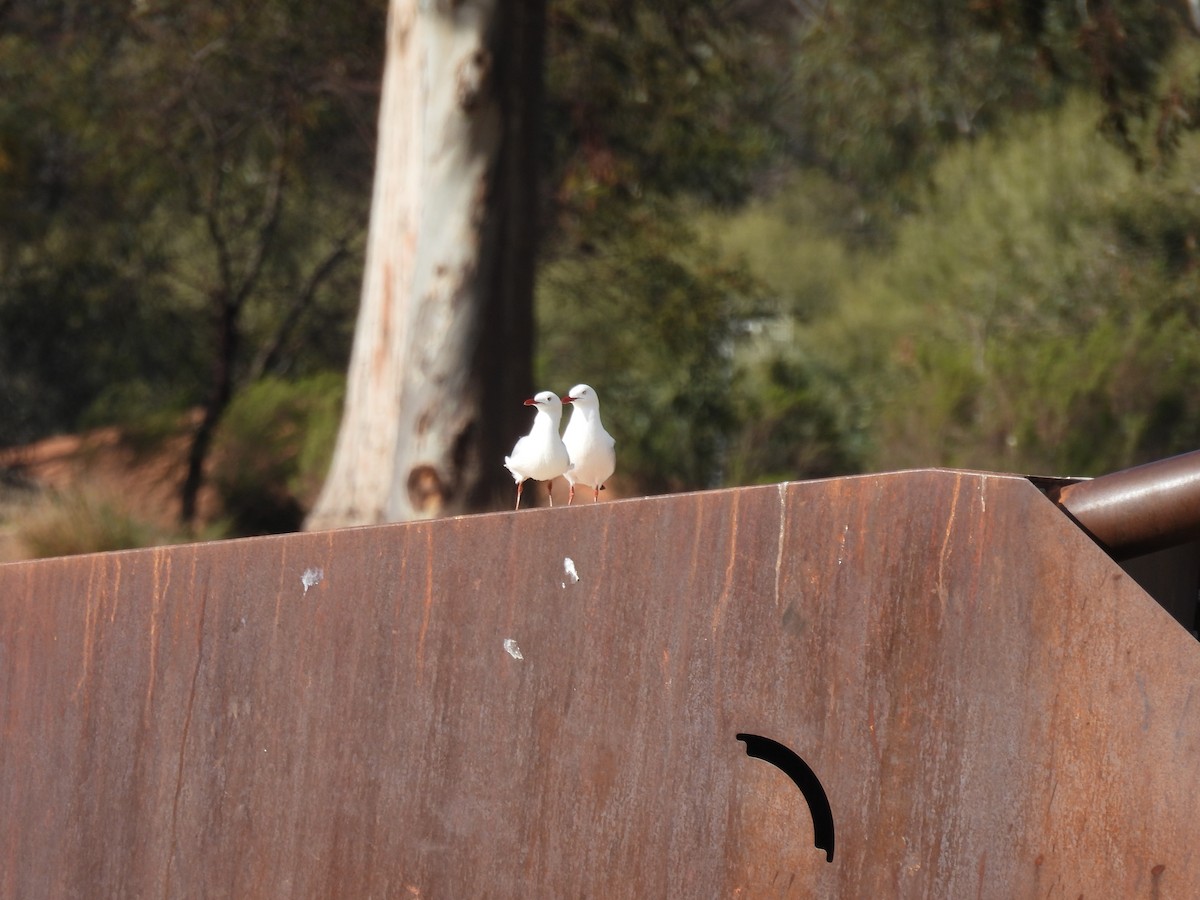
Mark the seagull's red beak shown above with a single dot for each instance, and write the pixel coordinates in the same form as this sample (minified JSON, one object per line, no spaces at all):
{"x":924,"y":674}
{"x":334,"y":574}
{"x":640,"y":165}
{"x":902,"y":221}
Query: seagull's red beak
{"x":531,"y":402}
{"x":568,"y":399}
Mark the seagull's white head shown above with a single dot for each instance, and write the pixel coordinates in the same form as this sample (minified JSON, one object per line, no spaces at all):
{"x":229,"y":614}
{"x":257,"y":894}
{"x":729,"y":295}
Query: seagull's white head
{"x":547,"y":400}
{"x":582,"y":395}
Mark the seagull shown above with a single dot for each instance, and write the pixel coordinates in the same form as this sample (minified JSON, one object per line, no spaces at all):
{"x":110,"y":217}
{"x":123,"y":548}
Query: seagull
{"x":591,"y":448}
{"x":541,"y":454}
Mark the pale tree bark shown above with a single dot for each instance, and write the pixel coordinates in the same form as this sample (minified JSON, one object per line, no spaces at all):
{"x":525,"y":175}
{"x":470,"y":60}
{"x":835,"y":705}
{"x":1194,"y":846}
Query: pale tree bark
{"x":442,"y":349}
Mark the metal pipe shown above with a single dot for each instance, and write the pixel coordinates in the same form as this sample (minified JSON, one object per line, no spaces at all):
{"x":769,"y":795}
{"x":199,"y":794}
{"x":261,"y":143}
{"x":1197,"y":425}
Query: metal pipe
{"x":1138,"y":510}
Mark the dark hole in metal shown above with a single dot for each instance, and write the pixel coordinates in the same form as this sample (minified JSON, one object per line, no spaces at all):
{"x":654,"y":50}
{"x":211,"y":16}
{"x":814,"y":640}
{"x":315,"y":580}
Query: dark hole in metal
{"x":805,"y":778}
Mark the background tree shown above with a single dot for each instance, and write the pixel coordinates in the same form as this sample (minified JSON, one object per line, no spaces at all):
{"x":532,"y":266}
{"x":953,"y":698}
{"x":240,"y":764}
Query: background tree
{"x":443,"y":342}
{"x":782,"y":240}
{"x":196,"y":171}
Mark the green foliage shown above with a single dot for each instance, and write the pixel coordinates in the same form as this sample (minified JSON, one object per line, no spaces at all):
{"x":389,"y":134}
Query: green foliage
{"x":646,"y":319}
{"x":653,"y":100}
{"x":959,"y":270}
{"x":796,"y":242}
{"x":1036,"y":313}
{"x":787,"y":424}
{"x":881,"y":89}
{"x":146,"y":417}
{"x":177,"y":158}
{"x":272,"y":451}
{"x":653,"y":107}
{"x":662,"y":69}
{"x":1041,"y":313}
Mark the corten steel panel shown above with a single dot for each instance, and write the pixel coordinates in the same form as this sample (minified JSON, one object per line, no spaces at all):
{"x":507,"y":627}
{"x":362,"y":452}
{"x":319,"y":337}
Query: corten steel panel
{"x":993,"y":707}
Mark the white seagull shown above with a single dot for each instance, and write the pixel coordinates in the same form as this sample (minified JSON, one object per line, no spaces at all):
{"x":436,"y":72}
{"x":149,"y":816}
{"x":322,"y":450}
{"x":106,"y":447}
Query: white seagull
{"x":541,"y":454}
{"x":591,"y":448}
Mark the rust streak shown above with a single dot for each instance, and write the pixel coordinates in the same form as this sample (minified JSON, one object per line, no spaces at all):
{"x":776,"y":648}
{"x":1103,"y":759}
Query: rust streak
{"x":116,"y":589}
{"x":782,"y":533}
{"x":187,"y":725}
{"x":282,"y":593}
{"x":427,"y":602}
{"x":718,"y":614}
{"x":945,"y":549}
{"x":162,"y":559}
{"x":90,"y":616}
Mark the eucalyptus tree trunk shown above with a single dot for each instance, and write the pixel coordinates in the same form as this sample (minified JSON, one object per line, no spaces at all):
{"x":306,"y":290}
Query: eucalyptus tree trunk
{"x":442,"y":349}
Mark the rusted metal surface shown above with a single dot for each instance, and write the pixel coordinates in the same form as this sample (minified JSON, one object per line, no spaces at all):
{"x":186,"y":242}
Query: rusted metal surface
{"x":440,"y":710}
{"x":1142,"y":509}
{"x":1172,"y":577}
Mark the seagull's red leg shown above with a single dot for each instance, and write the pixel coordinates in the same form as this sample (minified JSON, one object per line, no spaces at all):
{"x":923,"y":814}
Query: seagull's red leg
{"x":571,"y":494}
{"x":596,"y":493}
{"x":550,"y":490}
{"x":520,"y":484}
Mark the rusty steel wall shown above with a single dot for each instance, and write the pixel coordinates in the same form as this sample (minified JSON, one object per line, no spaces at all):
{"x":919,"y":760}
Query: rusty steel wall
{"x":549,"y":703}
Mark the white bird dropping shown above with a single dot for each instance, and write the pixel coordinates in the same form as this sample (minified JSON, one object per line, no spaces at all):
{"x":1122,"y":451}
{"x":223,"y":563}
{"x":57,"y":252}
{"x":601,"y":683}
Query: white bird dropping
{"x":541,"y":454}
{"x":591,"y":448}
{"x":311,"y":577}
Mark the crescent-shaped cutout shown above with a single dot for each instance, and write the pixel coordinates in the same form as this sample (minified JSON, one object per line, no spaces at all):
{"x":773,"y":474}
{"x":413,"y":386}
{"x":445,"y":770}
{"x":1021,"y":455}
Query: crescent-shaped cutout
{"x":805,"y":778}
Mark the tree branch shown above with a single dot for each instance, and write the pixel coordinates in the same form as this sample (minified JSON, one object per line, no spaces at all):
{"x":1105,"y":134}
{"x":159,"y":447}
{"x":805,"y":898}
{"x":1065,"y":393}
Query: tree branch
{"x":264,"y":232}
{"x":302,"y":300}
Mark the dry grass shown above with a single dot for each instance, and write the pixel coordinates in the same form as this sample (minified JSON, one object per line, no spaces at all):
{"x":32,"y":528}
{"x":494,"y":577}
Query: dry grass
{"x":80,"y":521}
{"x":124,"y":495}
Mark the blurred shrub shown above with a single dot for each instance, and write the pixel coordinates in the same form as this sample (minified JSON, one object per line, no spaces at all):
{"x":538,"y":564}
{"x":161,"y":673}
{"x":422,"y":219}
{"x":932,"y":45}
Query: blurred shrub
{"x":1053,"y":295}
{"x":146,"y":415}
{"x":1036,"y":312}
{"x":272,"y":451}
{"x":647,"y":317}
{"x":787,"y":424}
{"x":84,"y":522}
